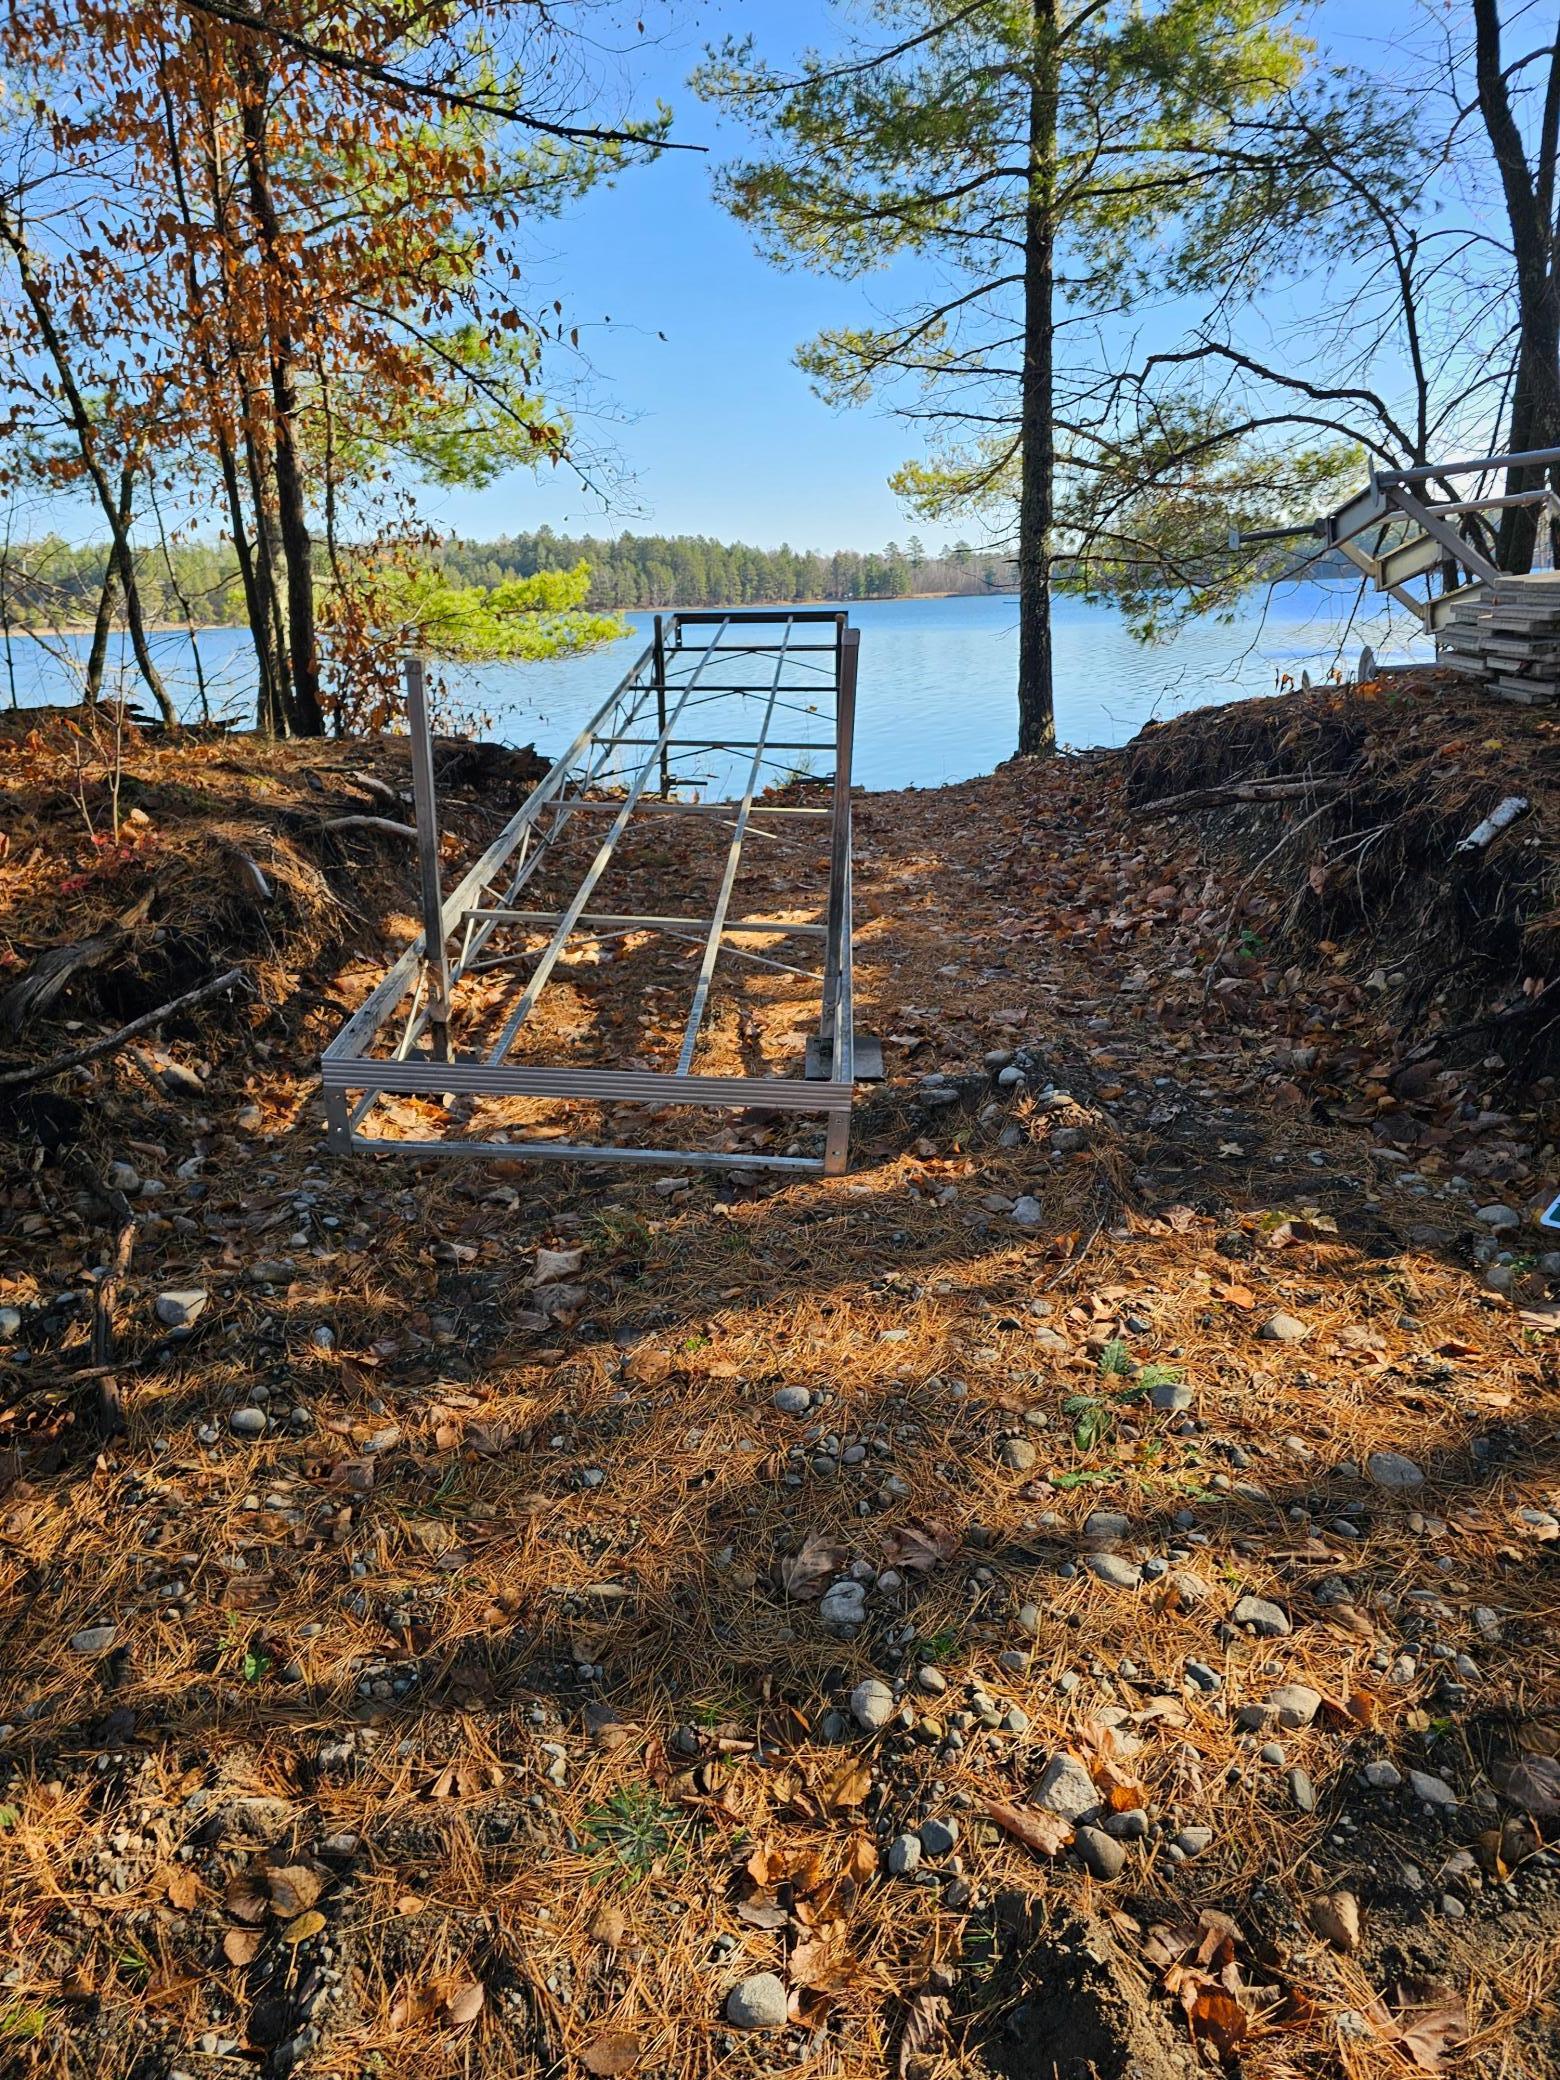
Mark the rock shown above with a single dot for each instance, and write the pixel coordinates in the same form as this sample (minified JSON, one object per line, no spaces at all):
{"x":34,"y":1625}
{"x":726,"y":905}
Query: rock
{"x":1017,"y":1454}
{"x":1112,"y":1568}
{"x":1273,"y":1755}
{"x":1283,"y":1328}
{"x":1190,"y":1586}
{"x":1192,"y":1841}
{"x":1067,"y":1141}
{"x":1302,"y":1790}
{"x":1130,"y":1826}
{"x":1104,"y":1856}
{"x":1104,"y":1528}
{"x":932,"y":1681}
{"x":792,"y":1401}
{"x":1203,"y":1676}
{"x":1251,"y":1718}
{"x":1336,"y":1918}
{"x":757,"y":2003}
{"x":1296,"y":1705}
{"x":1499,"y":1216}
{"x":181,"y":1306}
{"x":1434,"y":1791}
{"x":247,"y":1422}
{"x":1382,"y":1776}
{"x":939,"y":1837}
{"x":96,"y":1639}
{"x":872,"y":1704}
{"x":1029,"y":1620}
{"x":1026,"y":1212}
{"x":1172,"y":1398}
{"x":123,"y":1177}
{"x":1392,"y":1470}
{"x":904,"y":1853}
{"x":1264,"y":1618}
{"x":10,"y":1321}
{"x":1066,"y":1788}
{"x":844,"y":1603}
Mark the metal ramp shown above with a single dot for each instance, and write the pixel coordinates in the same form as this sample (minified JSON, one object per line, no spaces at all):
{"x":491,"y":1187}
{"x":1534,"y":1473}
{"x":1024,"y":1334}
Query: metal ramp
{"x":1420,"y":534}
{"x":718,"y":689}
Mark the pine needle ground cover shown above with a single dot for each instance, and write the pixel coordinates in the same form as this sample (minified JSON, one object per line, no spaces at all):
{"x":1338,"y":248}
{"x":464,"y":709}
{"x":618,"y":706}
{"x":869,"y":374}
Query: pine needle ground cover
{"x":1074,"y":1597}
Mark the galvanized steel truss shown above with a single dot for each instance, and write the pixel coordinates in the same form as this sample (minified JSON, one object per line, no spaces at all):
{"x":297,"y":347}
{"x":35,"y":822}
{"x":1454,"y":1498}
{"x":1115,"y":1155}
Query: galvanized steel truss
{"x":751,"y":664}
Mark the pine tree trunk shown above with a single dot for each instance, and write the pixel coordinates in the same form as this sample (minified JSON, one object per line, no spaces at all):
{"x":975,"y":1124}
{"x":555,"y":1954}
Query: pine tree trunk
{"x":308,"y":718}
{"x":1037,"y":439}
{"x":1529,"y":197}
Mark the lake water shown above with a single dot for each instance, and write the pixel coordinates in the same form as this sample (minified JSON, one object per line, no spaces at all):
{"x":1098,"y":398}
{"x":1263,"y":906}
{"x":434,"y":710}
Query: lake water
{"x":935,"y":701}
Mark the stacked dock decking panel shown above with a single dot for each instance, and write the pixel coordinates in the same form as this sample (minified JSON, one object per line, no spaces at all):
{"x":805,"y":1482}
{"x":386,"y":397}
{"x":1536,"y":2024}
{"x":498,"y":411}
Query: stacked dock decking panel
{"x":1510,"y":638}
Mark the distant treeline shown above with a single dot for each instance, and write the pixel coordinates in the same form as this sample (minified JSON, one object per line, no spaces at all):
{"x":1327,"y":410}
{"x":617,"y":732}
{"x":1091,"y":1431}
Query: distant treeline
{"x":52,"y":583}
{"x":693,"y":570}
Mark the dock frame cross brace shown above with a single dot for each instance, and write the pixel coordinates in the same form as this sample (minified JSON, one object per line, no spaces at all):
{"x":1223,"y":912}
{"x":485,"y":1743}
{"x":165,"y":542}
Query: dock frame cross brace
{"x":759,"y":665}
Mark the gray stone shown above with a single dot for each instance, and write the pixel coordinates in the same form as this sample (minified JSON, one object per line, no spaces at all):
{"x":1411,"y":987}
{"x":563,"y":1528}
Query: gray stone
{"x":1498,"y":1216}
{"x":757,"y":2003}
{"x":1283,"y":1328}
{"x":939,"y":1837}
{"x":123,"y":1177}
{"x":1251,"y":1718}
{"x":1017,"y":1454}
{"x":1110,"y":1567}
{"x":1068,"y":1140}
{"x":1104,"y":1528}
{"x":1434,"y":1791}
{"x":1026,"y":1212}
{"x":1066,"y":1788}
{"x":1296,"y":1705}
{"x":181,"y":1306}
{"x":96,"y":1639}
{"x":1190,"y":1586}
{"x":1263,"y":1617}
{"x":932,"y":1681}
{"x":1392,"y":1470}
{"x":844,"y":1603}
{"x":1029,"y":1620}
{"x":10,"y":1321}
{"x":1171,"y":1398}
{"x":1103,"y":1855}
{"x":904,"y":1853}
{"x":1130,"y":1826}
{"x":792,"y":1401}
{"x":247,"y":1422}
{"x":872,"y":1704}
{"x":1203,"y":1676}
{"x":1382,"y":1776}
{"x":1302,"y":1790}
{"x":1273,"y":1755}
{"x":1192,"y":1841}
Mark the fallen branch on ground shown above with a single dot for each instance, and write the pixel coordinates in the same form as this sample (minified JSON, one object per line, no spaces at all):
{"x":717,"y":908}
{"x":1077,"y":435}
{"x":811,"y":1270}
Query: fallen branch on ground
{"x":369,"y":823}
{"x":110,"y":1041}
{"x":1243,"y":791}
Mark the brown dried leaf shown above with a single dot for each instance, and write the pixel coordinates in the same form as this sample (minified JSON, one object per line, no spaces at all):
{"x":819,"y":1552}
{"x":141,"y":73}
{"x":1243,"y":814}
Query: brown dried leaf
{"x":861,"y":1860}
{"x":924,"y":2038}
{"x":182,"y":1887}
{"x":1429,"y":2036}
{"x":241,"y":1946}
{"x":293,"y":1889}
{"x":850,"y":1787}
{"x":463,"y":2003}
{"x":803,"y":1575}
{"x":245,"y":1897}
{"x":1533,"y":1782}
{"x":919,"y":1546}
{"x":609,"y":1926}
{"x":1046,"y":1833}
{"x":1219,"y":2019}
{"x":615,"y":2051}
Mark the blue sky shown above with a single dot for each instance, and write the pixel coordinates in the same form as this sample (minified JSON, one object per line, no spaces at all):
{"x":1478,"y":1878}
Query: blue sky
{"x":716,"y":429}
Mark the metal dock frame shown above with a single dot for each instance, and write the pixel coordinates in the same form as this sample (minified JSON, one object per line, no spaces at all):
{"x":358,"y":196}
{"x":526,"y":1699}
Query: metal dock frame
{"x":628,"y":745}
